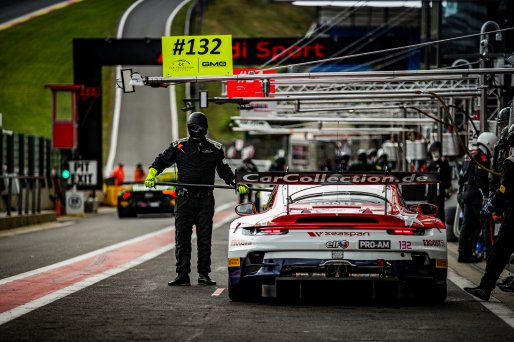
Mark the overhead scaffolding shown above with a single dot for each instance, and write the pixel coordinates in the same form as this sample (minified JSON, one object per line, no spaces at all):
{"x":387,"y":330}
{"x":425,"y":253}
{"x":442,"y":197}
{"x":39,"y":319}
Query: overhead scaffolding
{"x":370,"y":103}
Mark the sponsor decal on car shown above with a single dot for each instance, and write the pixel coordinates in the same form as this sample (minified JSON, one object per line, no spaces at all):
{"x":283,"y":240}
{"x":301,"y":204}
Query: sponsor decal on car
{"x":434,"y":243}
{"x":240,"y":243}
{"x":405,"y":245}
{"x":351,"y":234}
{"x":342,"y":244}
{"x":374,"y":244}
{"x":336,"y":178}
{"x":234,"y":262}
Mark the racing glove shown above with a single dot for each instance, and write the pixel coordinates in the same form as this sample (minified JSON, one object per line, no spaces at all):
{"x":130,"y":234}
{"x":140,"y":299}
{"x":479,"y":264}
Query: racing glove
{"x":241,"y":188}
{"x":150,"y":179}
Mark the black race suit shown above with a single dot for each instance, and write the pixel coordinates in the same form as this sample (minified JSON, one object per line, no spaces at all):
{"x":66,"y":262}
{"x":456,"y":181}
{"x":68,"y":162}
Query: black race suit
{"x":196,"y":163}
{"x":503,"y":201}
{"x":474,"y":185}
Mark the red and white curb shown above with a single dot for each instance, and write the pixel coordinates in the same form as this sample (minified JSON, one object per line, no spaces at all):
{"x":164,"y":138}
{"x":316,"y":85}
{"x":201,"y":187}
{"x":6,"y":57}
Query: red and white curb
{"x":37,"y":13}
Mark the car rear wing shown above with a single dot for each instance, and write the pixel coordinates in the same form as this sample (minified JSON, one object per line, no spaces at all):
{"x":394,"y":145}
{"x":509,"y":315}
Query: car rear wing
{"x":337,"y":178}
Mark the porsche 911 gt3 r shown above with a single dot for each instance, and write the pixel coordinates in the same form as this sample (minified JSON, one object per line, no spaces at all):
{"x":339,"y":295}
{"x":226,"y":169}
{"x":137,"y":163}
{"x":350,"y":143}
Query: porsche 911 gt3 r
{"x":346,"y":238}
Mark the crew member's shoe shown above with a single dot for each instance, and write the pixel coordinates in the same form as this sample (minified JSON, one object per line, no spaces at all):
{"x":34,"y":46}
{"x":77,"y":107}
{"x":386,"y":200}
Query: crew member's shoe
{"x":478,"y":292}
{"x":508,"y":287}
{"x":180,"y":280}
{"x":468,"y":259}
{"x":505,"y":281}
{"x":203,"y":279}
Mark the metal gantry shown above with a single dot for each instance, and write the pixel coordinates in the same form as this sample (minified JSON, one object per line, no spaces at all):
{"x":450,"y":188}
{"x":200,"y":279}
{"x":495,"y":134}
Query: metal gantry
{"x":386,"y":96}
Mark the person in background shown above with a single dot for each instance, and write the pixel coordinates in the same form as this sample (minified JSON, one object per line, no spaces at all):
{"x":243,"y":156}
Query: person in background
{"x":502,"y":201}
{"x":139,"y":173}
{"x":362,"y":162}
{"x":372,"y":155}
{"x":197,"y":159}
{"x":345,"y":162}
{"x":437,"y":194}
{"x":382,"y":163}
{"x":473,"y":189}
{"x":279,"y":164}
{"x":119,"y":174}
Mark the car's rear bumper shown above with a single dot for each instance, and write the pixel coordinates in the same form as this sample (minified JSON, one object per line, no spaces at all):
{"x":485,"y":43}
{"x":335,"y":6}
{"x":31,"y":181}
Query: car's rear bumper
{"x":283,"y":276}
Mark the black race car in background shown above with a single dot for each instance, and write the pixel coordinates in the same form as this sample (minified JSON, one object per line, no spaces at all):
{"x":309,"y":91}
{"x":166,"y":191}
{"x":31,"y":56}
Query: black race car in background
{"x":137,"y":199}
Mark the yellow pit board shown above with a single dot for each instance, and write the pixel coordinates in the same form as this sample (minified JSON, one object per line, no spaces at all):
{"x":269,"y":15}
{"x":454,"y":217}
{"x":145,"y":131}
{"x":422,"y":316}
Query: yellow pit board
{"x":197,"y":56}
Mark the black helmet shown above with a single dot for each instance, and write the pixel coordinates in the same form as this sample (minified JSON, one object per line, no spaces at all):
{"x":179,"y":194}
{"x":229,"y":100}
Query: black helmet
{"x":372,"y":153}
{"x":436,"y":145}
{"x":197,"y":125}
{"x":503,"y":116}
{"x":362,"y":155}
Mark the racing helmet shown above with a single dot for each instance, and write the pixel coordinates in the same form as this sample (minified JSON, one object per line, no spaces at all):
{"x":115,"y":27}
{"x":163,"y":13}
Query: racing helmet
{"x":372,"y":153}
{"x":362,"y":156}
{"x":197,"y":125}
{"x":503,"y":116}
{"x":435,"y":150}
{"x":487,"y":139}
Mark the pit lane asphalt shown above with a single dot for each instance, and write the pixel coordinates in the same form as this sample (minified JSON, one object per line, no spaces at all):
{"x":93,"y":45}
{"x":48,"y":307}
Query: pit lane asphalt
{"x":139,"y":305}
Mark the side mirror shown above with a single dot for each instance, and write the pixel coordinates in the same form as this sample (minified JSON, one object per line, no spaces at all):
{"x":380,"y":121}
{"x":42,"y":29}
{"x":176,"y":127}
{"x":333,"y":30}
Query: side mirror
{"x":427,"y":209}
{"x":246,"y":209}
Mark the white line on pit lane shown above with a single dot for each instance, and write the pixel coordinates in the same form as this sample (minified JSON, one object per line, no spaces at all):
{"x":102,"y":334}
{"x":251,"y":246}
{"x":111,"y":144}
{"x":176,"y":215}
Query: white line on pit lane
{"x":52,"y":297}
{"x":493,"y":305}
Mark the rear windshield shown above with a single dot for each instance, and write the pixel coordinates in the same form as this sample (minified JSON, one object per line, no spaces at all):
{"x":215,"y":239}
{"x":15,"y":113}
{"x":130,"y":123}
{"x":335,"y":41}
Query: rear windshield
{"x":339,"y":194}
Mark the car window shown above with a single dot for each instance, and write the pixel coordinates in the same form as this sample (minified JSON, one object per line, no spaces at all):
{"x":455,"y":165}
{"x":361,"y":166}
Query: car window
{"x":340,"y":197}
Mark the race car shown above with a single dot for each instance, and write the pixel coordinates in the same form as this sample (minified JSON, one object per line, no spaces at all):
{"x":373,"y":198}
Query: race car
{"x":137,"y":199}
{"x":344,"y":234}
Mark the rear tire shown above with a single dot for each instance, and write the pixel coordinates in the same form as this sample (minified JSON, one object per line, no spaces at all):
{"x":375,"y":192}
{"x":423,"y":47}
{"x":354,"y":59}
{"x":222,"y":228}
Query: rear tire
{"x":122,"y":213}
{"x":450,"y":218}
{"x":235,"y":293}
{"x":241,"y":293}
{"x":439,"y":294}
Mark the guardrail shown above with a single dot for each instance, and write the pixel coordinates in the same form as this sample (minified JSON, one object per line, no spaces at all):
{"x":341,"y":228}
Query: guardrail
{"x":27,"y":164}
{"x":33,"y":186}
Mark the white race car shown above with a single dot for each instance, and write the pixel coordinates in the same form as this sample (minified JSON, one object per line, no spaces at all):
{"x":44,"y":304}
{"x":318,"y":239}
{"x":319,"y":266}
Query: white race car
{"x":339,"y":233}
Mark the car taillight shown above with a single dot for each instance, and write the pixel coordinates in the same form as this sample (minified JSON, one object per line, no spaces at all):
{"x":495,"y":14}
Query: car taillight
{"x":125,"y":195}
{"x":272,"y":231}
{"x":400,"y":231}
{"x":172,"y":193}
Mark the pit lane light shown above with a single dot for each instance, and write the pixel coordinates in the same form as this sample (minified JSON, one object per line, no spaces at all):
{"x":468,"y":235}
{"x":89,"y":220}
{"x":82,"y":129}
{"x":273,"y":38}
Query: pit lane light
{"x":65,"y":174}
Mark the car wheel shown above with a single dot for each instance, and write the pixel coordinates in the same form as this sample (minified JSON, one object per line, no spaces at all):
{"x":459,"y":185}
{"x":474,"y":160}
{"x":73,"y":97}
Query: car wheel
{"x":122,"y":213}
{"x":240,"y":292}
{"x":450,"y":218}
{"x":439,"y":293}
